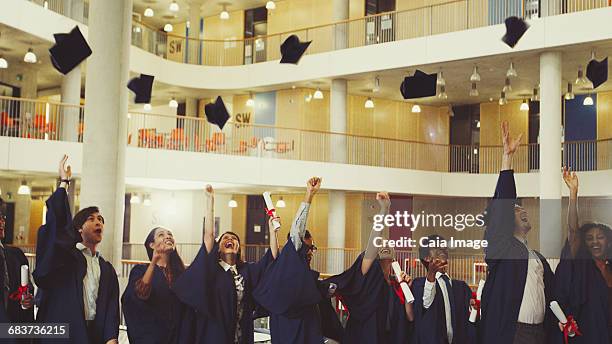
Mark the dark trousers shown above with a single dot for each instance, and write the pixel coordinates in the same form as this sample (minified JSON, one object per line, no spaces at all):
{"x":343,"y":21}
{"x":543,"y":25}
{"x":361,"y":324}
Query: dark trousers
{"x":529,"y":334}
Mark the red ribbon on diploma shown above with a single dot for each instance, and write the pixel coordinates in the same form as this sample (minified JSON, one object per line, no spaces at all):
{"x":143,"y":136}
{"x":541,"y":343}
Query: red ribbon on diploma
{"x":16,"y":296}
{"x":270,"y":212}
{"x":476,"y":303}
{"x":569,"y":327}
{"x":398,"y":290}
{"x":340,"y":305}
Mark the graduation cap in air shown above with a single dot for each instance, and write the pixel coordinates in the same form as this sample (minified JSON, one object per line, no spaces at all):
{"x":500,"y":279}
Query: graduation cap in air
{"x":216,"y":113}
{"x":292,"y":49}
{"x":597,"y":72}
{"x":515,"y":29}
{"x":141,"y":86}
{"x":69,"y":51}
{"x":419,"y":85}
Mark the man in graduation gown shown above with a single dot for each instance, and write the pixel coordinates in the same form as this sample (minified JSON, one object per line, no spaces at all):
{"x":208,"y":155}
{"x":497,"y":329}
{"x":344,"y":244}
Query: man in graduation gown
{"x":290,"y":289}
{"x":218,"y":287}
{"x":378,"y":312}
{"x":441,"y":305}
{"x":518,"y":287}
{"x":80,"y":287}
{"x":11,"y":301}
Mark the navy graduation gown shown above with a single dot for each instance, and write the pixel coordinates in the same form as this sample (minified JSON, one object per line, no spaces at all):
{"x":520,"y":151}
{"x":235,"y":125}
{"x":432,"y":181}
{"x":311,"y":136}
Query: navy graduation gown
{"x":157,"y":319}
{"x":430,"y":324}
{"x":289,"y":290}
{"x":210,"y":292}
{"x":507,"y":261}
{"x":375,"y":312}
{"x":14,"y":313}
{"x":60,"y":270}
{"x":582,"y":292}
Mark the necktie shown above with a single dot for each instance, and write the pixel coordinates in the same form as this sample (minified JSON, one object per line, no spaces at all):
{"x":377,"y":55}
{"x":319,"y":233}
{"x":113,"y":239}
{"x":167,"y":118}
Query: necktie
{"x":5,"y":277}
{"x":451,"y":299}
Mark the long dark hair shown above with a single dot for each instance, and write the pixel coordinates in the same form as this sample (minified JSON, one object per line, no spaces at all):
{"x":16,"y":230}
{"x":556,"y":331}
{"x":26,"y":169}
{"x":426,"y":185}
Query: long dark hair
{"x":239,"y":260}
{"x":175,"y":262}
{"x":583,"y":252}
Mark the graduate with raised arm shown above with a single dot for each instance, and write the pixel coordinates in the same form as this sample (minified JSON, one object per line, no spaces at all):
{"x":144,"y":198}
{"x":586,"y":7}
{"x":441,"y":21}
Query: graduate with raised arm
{"x":152,"y":312}
{"x":14,"y":308}
{"x":518,"y":287}
{"x":441,"y":303}
{"x":378,"y":312}
{"x":80,"y":287}
{"x":290,"y":289}
{"x":218,"y":287}
{"x":583,"y":279}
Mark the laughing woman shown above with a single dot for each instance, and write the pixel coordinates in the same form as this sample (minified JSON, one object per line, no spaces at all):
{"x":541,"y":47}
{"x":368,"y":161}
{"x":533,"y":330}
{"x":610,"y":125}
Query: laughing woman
{"x":152,"y":311}
{"x":218,"y":286}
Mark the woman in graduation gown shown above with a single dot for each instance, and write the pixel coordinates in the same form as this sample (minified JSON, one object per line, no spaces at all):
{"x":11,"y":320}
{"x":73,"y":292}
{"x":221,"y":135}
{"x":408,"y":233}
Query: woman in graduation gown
{"x":218,"y":287}
{"x":378,"y":313}
{"x":290,"y":290}
{"x":583,"y":279}
{"x":152,"y":311}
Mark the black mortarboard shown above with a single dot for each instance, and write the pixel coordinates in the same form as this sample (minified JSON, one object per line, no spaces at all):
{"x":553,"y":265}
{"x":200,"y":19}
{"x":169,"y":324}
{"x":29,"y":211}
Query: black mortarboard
{"x":141,"y":86}
{"x":292,"y":49}
{"x":216,"y":113}
{"x":419,"y":85}
{"x":69,"y":51}
{"x":515,"y":28}
{"x":597,"y":72}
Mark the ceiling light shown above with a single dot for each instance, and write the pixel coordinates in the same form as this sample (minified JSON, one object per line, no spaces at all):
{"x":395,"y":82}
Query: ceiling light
{"x":270,"y":5}
{"x":149,"y":12}
{"x":250,"y":102}
{"x":24,"y":188}
{"x":416,"y":108}
{"x":137,"y":29}
{"x":507,"y":86}
{"x":147,"y":200}
{"x":147,"y":107}
{"x":280,"y":203}
{"x":570,"y":92}
{"x":46,"y":4}
{"x":536,"y":95}
{"x":502,"y":99}
{"x":318,"y":94}
{"x":369,"y":103}
{"x":440,"y":81}
{"x":224,"y":14}
{"x":3,"y":63}
{"x":135,"y":199}
{"x":511,"y":73}
{"x":474,"y":90}
{"x":174,"y":7}
{"x":442,"y":94}
{"x":30,"y":57}
{"x":232,"y":204}
{"x":173,"y":103}
{"x":588,"y":100}
{"x":475,"y":77}
{"x":477,"y":124}
{"x":580,"y":80}
{"x":308,"y":97}
{"x":168,"y":27}
{"x":524,"y":105}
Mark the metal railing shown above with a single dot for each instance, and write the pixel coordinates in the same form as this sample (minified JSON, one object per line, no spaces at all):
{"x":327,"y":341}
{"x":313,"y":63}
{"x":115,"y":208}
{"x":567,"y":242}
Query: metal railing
{"x":74,"y":9}
{"x":423,"y":21}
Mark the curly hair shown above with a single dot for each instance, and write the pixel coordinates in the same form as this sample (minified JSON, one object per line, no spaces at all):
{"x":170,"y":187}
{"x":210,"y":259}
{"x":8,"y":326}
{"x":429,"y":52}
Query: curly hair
{"x":582,"y":232}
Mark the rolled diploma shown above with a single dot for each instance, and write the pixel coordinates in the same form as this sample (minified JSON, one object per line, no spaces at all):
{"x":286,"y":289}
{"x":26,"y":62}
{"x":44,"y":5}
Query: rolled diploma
{"x":474,"y":312}
{"x":270,"y":206}
{"x":407,"y":293}
{"x":558,"y":312}
{"x":25,"y":276}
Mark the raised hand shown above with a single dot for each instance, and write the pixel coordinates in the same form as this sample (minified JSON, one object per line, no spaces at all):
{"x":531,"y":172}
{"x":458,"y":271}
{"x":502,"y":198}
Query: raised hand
{"x":510,"y":144}
{"x":570,"y":178}
{"x":435,"y":266}
{"x":383,"y":200}
{"x":313,"y":185}
{"x":271,"y":225}
{"x":65,"y":172}
{"x":405,"y":278}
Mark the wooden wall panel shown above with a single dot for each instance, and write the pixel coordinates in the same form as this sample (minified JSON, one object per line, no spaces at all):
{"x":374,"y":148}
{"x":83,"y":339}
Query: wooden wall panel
{"x":352,"y":236}
{"x":356,"y":9}
{"x":224,"y":53}
{"x":36,"y":219}
{"x":604,"y":130}
{"x":175,"y":45}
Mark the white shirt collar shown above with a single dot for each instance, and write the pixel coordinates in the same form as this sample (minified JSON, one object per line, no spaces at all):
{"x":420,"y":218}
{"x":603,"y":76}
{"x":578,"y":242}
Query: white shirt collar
{"x":226,"y":266}
{"x":439,"y":276}
{"x":82,"y":248}
{"x":522,"y":240}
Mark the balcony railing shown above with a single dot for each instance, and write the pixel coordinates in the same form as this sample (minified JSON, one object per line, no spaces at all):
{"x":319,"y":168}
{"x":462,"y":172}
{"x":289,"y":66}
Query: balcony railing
{"x":423,"y":21}
{"x":34,"y":119}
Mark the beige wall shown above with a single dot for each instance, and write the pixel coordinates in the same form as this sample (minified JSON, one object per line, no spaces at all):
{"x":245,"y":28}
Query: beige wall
{"x":175,"y":45}
{"x":219,"y":52}
{"x":604,"y":130}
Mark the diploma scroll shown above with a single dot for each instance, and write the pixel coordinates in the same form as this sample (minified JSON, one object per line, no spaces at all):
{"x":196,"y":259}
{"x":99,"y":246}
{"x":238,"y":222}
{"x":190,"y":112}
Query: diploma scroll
{"x":558,"y":312}
{"x":474,"y":312}
{"x":271,"y":210}
{"x":25,"y":279}
{"x":405,"y":289}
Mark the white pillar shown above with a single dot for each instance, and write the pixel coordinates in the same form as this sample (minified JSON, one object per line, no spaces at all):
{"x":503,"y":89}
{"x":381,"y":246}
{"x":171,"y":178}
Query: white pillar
{"x":340,"y":11}
{"x":338,"y":119}
{"x":193,"y":49}
{"x":551,"y":231}
{"x":74,"y":9}
{"x":105,"y":136}
{"x":336,"y":224}
{"x":71,"y":94}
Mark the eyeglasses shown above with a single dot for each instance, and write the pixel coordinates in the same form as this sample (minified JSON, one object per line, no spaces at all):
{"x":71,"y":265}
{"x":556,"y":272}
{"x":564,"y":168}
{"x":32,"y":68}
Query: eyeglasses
{"x":2,"y":217}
